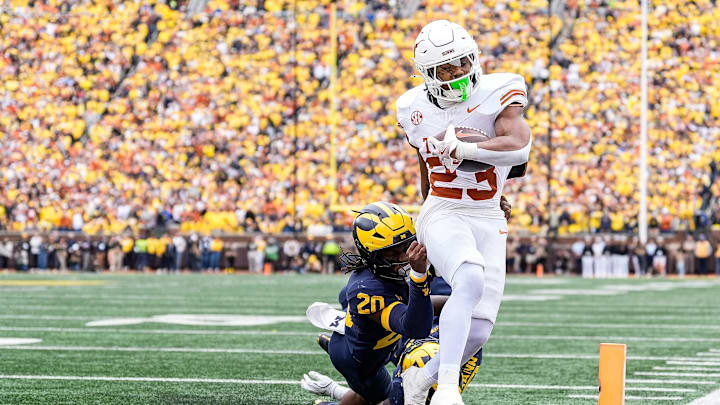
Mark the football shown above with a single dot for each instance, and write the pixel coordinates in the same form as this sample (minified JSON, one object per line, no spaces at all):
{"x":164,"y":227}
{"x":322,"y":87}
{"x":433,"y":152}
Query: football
{"x":472,"y":135}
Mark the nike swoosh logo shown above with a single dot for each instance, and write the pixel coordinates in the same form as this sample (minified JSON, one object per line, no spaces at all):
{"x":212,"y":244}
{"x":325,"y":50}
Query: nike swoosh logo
{"x":469,"y":110}
{"x":503,"y":232}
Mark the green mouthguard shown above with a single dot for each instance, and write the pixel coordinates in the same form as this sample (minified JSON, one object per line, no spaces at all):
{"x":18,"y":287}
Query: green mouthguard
{"x":461,"y":84}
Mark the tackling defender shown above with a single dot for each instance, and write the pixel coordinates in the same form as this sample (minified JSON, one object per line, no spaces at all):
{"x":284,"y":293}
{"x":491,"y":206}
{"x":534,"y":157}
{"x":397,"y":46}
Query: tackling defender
{"x":460,"y":223}
{"x":381,"y":305}
{"x":407,"y":352}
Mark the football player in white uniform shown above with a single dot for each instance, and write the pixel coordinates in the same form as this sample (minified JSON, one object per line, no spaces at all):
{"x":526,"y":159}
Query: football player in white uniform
{"x":461,"y":223}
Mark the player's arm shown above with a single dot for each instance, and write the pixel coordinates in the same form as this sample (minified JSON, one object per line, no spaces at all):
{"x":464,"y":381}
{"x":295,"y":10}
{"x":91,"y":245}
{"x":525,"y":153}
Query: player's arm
{"x":510,"y":147}
{"x":511,"y":131}
{"x":424,"y":182}
{"x":413,"y":320}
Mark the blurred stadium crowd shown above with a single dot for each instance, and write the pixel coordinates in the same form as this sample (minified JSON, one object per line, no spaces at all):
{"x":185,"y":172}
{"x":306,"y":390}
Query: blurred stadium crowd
{"x":165,"y":253}
{"x":125,"y":116}
{"x":599,"y":256}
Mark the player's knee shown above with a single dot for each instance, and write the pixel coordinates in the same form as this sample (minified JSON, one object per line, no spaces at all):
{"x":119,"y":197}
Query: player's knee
{"x":469,"y":279}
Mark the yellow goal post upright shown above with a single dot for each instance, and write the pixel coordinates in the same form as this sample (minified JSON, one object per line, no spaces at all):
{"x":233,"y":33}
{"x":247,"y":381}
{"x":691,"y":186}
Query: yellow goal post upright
{"x":332,"y":61}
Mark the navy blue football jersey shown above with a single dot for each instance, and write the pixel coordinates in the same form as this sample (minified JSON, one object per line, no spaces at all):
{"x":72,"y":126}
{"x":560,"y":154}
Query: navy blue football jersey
{"x":370,"y":342}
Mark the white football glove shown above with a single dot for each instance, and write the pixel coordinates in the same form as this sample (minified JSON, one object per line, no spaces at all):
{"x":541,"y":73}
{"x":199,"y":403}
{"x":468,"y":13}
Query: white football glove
{"x":443,"y":149}
{"x":317,"y":383}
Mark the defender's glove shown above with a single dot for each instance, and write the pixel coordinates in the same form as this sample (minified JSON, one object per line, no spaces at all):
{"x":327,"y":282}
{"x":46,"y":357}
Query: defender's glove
{"x":317,"y":383}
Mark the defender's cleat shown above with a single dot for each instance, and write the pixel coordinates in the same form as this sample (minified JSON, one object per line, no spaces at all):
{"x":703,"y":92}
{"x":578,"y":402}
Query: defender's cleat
{"x":447,"y":394}
{"x":415,"y":386}
{"x":324,"y":341}
{"x":323,"y":316}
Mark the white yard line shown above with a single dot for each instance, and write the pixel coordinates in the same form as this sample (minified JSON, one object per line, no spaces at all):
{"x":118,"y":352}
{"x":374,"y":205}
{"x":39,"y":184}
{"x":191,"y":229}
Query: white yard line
{"x":609,"y":325}
{"x":655,"y":389}
{"x":521,"y":314}
{"x":537,"y":387}
{"x":271,"y":382}
{"x":709,"y":354}
{"x":291,"y":382}
{"x":299,"y":333}
{"x":300,"y":352}
{"x":146,"y":379}
{"x":509,"y":324}
{"x":671,"y":382}
{"x":50,"y":317}
{"x":264,"y":309}
{"x":672,"y":374}
{"x":158,"y":331}
{"x":578,"y":356}
{"x":140,"y":298}
{"x":678,"y":362}
{"x":663,"y":368}
{"x":160,"y":349}
{"x":580,"y":396}
{"x":501,"y":322}
{"x":711,"y":399}
{"x":608,"y":338}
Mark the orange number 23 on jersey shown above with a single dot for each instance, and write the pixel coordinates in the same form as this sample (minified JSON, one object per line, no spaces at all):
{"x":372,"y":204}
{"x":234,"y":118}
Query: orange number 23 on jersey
{"x":475,"y":194}
{"x":448,"y":192}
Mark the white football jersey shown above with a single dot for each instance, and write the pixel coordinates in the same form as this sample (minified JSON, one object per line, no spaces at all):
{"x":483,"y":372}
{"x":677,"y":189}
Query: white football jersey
{"x":421,"y":119}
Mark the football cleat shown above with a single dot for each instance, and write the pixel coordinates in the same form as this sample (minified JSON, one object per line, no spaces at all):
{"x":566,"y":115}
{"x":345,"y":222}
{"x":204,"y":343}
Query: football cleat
{"x":325,"y":317}
{"x":447,"y":394}
{"x":324,"y":341}
{"x":415,"y":386}
{"x":323,"y":402}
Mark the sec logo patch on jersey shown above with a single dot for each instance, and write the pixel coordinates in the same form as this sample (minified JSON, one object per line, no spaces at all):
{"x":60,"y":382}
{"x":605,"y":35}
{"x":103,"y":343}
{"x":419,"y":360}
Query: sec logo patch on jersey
{"x":416,"y":117}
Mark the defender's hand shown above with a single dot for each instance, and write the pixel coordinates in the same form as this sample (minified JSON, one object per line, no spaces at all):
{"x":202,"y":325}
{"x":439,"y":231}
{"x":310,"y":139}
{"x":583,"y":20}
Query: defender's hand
{"x":417,"y":257}
{"x":506,"y":207}
{"x":317,"y":383}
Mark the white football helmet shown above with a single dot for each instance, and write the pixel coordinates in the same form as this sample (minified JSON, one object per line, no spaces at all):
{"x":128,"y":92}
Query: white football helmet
{"x":442,"y":42}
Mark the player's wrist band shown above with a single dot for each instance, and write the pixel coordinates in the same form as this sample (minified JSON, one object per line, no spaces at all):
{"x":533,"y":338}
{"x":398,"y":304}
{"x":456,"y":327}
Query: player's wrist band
{"x":418,"y":277}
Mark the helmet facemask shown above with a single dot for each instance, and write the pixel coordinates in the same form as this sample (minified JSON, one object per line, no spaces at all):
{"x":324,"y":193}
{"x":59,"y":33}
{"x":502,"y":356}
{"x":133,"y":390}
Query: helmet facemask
{"x":390,"y":268}
{"x":456,"y":89}
{"x":382,"y":233}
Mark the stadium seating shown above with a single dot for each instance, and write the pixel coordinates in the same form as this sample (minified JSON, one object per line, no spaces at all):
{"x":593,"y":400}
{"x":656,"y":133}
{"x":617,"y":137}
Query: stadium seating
{"x":119,"y":115}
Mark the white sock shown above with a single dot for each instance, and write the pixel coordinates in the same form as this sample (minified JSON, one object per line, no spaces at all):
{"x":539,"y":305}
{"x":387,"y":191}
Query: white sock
{"x":468,"y":284}
{"x":448,"y":374}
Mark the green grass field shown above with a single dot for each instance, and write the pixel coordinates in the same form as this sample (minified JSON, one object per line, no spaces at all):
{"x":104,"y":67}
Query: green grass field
{"x":544,"y":349}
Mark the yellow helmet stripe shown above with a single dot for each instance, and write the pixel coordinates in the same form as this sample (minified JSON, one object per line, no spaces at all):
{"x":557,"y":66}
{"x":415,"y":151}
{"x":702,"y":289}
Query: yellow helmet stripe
{"x":387,"y":208}
{"x":385,"y":315}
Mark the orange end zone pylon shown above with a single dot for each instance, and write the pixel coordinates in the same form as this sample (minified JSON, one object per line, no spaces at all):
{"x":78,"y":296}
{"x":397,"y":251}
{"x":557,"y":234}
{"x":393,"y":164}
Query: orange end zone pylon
{"x":611,"y":374}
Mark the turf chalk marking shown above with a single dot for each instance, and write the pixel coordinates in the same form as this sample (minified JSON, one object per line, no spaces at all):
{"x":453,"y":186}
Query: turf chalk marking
{"x":671,"y":374}
{"x":711,"y":399}
{"x":671,"y":382}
